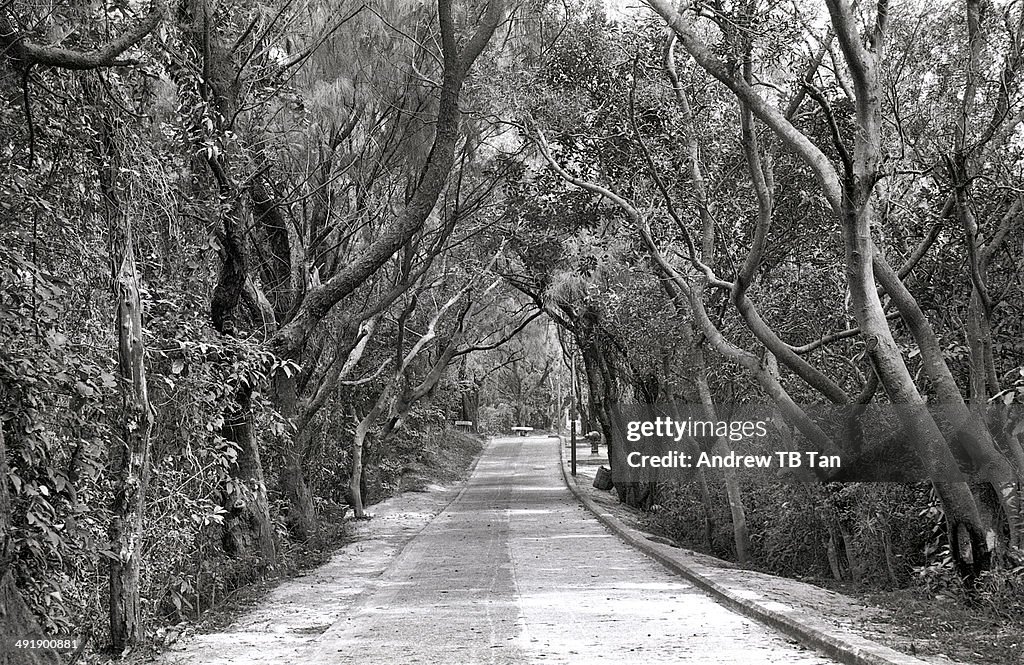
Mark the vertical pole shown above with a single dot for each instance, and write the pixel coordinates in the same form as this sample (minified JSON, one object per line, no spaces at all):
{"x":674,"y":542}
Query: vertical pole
{"x":572,"y":417}
{"x":558,"y":403}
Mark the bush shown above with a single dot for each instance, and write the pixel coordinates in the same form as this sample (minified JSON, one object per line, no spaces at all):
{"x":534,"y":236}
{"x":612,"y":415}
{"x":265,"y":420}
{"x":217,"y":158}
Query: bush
{"x":874,"y":534}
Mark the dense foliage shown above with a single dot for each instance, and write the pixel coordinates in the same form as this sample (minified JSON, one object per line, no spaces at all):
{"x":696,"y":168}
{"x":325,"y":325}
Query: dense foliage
{"x":257,"y":258}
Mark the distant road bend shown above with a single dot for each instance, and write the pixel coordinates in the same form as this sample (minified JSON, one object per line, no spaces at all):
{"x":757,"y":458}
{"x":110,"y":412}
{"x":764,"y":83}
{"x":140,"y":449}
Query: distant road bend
{"x":515,"y":571}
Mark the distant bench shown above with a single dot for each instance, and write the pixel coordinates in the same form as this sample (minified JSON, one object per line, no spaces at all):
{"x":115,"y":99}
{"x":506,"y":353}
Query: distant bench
{"x":522,"y":431}
{"x":464,"y":424}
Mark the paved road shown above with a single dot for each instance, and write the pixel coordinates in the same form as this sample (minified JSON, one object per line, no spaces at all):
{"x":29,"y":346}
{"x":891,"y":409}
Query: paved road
{"x":515,"y":571}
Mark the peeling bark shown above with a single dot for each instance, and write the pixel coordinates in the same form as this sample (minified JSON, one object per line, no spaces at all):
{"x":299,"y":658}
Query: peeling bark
{"x":130,"y":451}
{"x":129,"y":461}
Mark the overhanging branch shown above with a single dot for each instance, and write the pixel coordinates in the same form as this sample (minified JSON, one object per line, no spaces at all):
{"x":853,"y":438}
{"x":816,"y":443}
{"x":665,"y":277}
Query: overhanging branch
{"x":14,"y":45}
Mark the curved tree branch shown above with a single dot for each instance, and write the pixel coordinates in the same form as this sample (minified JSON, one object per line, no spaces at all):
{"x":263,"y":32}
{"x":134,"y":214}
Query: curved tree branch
{"x":14,"y":45}
{"x":439,"y":164}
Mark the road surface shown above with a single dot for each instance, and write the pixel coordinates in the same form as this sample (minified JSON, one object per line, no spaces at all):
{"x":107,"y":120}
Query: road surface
{"x":515,"y":571}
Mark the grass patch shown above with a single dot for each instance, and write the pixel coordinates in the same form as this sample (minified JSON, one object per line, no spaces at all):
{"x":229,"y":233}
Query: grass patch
{"x":444,"y":460}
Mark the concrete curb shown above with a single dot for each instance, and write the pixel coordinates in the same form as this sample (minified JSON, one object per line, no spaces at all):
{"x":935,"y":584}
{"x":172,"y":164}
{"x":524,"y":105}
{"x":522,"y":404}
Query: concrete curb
{"x":836,"y":643}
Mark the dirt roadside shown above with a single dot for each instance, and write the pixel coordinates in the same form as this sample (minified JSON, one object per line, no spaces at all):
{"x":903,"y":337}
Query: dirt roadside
{"x":294,"y":613}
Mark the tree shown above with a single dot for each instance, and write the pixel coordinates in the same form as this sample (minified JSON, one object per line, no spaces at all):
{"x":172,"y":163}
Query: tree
{"x":851,"y":196}
{"x":301,"y":301}
{"x":130,"y":453}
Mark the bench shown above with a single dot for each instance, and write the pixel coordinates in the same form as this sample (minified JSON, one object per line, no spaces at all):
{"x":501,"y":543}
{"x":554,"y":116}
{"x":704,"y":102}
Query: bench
{"x":464,"y":424}
{"x":522,"y":431}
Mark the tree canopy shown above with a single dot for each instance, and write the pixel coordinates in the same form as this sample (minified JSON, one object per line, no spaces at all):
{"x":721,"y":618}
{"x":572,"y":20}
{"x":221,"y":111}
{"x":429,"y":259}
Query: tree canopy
{"x":326,"y":230}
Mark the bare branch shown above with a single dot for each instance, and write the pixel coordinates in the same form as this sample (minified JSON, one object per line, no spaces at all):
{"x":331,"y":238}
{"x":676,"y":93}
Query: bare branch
{"x":793,"y":138}
{"x":625,"y":205}
{"x":301,"y":56}
{"x":837,"y":138}
{"x":503,"y":340}
{"x":367,"y":378}
{"x":808,"y":77}
{"x":848,"y":36}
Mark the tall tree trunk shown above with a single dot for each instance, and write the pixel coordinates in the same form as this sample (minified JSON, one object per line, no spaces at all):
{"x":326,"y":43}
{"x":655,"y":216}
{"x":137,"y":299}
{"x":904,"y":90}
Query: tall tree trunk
{"x":972,"y":438}
{"x":470,"y":405}
{"x":356,"y":483}
{"x":740,"y":533}
{"x":130,"y":461}
{"x":970,"y":542}
{"x":129,"y":454}
{"x":248,"y":530}
{"x":603,"y":387}
{"x":301,"y":518}
{"x":355,"y":478}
